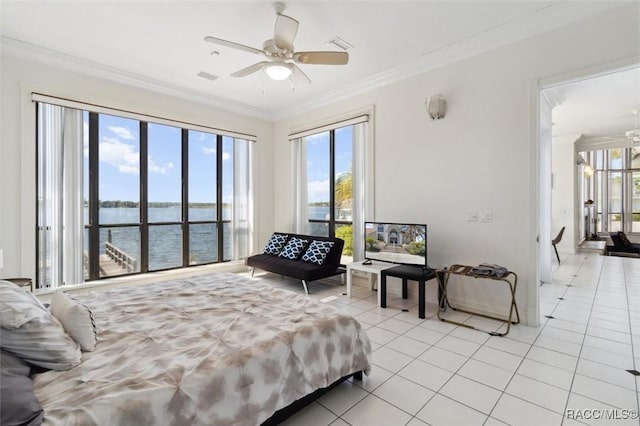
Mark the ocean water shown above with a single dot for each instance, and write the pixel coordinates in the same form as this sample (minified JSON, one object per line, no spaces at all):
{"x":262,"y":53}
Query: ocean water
{"x":165,"y":241}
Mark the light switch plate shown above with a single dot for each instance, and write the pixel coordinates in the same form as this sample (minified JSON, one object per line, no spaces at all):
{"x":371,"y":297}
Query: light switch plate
{"x":472,"y":215}
{"x":1,"y":259}
{"x":485,"y":215}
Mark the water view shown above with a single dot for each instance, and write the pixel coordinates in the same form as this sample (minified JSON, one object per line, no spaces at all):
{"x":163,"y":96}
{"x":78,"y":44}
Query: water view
{"x":165,"y":240}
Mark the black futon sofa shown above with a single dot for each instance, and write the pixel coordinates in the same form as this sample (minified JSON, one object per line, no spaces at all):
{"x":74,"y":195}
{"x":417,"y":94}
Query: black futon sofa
{"x":622,"y":246}
{"x":304,"y":268}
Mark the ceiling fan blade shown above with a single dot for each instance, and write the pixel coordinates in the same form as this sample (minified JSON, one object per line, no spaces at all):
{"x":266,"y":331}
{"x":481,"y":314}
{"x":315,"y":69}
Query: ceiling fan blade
{"x":321,"y":58}
{"x":298,"y":76}
{"x":250,"y":69}
{"x":285,"y":32}
{"x":232,"y":44}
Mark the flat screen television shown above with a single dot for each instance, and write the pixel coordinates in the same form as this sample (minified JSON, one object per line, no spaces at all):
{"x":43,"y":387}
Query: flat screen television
{"x":402,"y":243}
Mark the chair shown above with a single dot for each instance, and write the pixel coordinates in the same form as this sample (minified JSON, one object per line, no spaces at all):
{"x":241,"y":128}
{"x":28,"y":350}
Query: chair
{"x":557,"y":240}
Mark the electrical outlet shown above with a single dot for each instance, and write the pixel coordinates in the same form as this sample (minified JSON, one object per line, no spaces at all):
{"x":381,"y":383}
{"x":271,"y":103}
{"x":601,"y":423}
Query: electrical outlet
{"x":472,"y":215}
{"x":485,"y":216}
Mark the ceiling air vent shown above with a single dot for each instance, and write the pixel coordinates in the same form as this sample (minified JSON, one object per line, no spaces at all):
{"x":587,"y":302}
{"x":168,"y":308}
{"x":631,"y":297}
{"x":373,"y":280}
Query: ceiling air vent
{"x":207,"y":76}
{"x":340,"y":43}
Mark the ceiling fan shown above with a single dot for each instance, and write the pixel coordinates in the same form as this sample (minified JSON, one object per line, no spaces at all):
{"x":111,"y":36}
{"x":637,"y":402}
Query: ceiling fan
{"x":281,"y":56}
{"x":634,"y":134}
{"x":631,"y":138}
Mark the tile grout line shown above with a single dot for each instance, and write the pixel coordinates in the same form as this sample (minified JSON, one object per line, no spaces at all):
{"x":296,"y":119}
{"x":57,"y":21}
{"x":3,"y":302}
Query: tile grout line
{"x":575,"y":371}
{"x":529,"y":350}
{"x":633,"y":357}
{"x":598,"y":291}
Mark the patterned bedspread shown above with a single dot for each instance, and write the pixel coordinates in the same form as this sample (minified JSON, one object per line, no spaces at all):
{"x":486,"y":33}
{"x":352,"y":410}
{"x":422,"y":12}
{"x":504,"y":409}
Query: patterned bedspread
{"x":217,"y":349}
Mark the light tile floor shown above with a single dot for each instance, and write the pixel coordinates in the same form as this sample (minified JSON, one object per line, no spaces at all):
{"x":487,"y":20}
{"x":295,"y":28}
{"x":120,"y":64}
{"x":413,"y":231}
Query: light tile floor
{"x":570,"y":370}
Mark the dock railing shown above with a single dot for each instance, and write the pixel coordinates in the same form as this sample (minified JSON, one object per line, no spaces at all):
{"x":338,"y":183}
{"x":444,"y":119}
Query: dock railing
{"x":119,"y":256}
{"x":126,"y":261}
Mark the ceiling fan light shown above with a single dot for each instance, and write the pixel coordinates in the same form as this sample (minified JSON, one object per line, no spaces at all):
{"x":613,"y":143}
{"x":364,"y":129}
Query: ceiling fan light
{"x":278,"y":71}
{"x":633,"y":134}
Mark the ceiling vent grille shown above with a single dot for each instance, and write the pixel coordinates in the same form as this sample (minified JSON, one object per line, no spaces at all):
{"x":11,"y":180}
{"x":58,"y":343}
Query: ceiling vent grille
{"x":340,"y":43}
{"x":207,"y":76}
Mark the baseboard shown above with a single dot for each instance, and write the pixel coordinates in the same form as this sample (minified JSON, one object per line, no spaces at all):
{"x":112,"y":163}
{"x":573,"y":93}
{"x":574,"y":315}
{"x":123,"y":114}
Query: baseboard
{"x":394,"y":289}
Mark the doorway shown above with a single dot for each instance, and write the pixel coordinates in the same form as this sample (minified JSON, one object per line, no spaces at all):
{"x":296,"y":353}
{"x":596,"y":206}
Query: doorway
{"x":576,"y":113}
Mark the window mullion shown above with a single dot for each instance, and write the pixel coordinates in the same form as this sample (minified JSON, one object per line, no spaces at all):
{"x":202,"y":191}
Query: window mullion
{"x":219,"y":224}
{"x":626,"y":201}
{"x":332,"y":183}
{"x":94,"y":198}
{"x":144,"y":199}
{"x":185,"y":197}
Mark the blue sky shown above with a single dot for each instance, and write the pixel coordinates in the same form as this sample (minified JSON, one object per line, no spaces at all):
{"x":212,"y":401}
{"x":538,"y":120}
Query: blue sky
{"x":318,"y":161}
{"x":119,"y":142}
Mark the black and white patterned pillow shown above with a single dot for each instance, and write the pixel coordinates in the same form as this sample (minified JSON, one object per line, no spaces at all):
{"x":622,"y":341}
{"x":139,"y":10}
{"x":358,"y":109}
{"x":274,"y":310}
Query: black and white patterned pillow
{"x":275,"y":244}
{"x":317,"y":252}
{"x":294,"y":248}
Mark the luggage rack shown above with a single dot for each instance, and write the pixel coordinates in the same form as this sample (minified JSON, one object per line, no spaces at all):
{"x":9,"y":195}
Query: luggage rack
{"x":510,"y":278}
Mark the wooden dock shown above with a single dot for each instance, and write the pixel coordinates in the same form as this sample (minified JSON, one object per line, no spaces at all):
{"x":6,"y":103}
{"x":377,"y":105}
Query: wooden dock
{"x":115,"y":261}
{"x":109,"y":267}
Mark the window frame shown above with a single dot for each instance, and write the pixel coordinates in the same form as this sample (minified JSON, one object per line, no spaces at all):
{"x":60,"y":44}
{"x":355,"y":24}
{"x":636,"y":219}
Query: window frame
{"x":92,"y":227}
{"x":332,"y":221}
{"x":600,"y":188}
{"x":144,"y":225}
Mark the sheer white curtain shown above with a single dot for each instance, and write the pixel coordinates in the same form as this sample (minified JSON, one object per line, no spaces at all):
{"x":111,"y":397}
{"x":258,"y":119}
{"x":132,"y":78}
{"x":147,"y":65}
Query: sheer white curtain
{"x":60,"y":192}
{"x":361,"y":178}
{"x":300,"y":203}
{"x":242,"y":199}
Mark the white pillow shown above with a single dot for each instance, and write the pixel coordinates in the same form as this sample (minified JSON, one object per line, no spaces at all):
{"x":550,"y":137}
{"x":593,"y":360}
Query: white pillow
{"x":76,"y":319}
{"x":30,"y":332}
{"x":18,"y":306}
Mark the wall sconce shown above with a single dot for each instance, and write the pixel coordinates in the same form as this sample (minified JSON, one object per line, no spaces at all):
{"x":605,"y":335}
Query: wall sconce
{"x":436,"y":106}
{"x":588,"y":170}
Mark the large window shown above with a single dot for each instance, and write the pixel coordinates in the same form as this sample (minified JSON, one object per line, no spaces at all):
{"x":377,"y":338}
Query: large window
{"x":614,"y":188}
{"x":120,"y":196}
{"x":330,"y":183}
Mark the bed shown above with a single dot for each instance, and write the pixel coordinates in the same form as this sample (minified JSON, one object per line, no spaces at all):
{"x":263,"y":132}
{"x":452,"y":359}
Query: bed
{"x":217,"y":349}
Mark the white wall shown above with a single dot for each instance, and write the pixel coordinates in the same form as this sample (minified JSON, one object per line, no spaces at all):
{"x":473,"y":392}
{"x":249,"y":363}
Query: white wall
{"x":563,"y":193}
{"x":17,"y":145}
{"x":478,"y":157}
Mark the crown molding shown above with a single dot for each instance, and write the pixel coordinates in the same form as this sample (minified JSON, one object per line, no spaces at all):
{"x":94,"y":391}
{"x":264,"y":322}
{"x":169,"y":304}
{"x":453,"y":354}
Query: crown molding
{"x":32,"y":53}
{"x":546,"y":18}
{"x":594,"y":143}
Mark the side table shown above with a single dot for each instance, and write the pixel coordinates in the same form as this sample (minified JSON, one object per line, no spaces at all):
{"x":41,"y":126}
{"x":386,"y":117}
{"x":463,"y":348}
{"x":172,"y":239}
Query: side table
{"x":407,"y":272}
{"x":372,"y":269}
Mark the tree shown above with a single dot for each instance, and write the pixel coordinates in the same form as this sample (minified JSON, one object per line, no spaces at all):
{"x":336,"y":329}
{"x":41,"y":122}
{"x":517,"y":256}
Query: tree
{"x":346,"y":233}
{"x":344,"y":190}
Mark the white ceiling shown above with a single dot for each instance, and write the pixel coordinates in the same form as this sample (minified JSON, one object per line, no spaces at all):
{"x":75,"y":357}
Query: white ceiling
{"x":160,"y":46}
{"x":599,"y":109}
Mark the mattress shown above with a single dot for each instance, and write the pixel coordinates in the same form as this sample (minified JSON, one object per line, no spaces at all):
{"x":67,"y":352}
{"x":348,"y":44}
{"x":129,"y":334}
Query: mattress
{"x":217,"y":349}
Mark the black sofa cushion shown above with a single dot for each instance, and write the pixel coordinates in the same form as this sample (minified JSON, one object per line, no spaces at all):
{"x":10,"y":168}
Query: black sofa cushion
{"x":297,"y":269}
